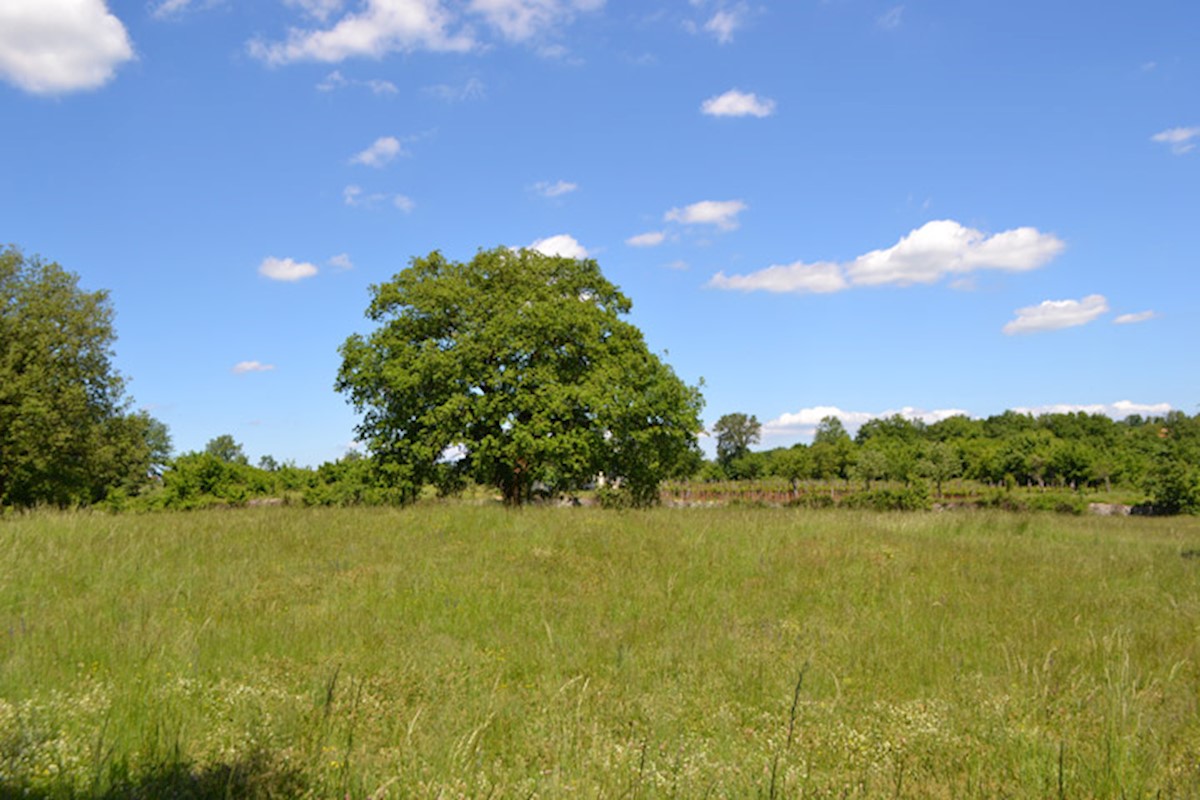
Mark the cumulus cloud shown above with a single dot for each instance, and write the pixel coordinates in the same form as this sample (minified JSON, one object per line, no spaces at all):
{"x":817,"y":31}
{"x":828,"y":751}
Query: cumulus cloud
{"x":557,"y":189}
{"x":738,"y":104}
{"x":648,"y":239}
{"x":722,"y":213}
{"x":381,"y":153}
{"x":243,"y":367}
{"x":1117,"y":410}
{"x":58,"y":46}
{"x":286,"y":269}
{"x":1180,"y":140}
{"x":934,"y":251}
{"x":1052,"y":315}
{"x":804,"y":422}
{"x":560,"y":245}
{"x":341,"y":261}
{"x":378,"y":28}
{"x":1131,"y":319}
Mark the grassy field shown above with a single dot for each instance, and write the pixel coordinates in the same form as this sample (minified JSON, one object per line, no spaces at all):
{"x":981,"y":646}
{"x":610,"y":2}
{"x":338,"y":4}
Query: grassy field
{"x":466,"y":651}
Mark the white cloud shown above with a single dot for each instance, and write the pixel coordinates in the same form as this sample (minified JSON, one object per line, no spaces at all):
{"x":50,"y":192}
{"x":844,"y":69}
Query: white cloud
{"x":1181,"y":140}
{"x":936,"y":250}
{"x":1051,"y":315}
{"x":521,"y":20}
{"x":1131,"y":319}
{"x":58,"y":46}
{"x":341,"y":261}
{"x":801,"y":278}
{"x":382,"y":152}
{"x":243,"y":367}
{"x":473,"y":89}
{"x":738,"y":104}
{"x":379,"y":28}
{"x":404,"y":203}
{"x":1117,"y":410}
{"x":725,"y":21}
{"x":648,"y":239}
{"x":335,"y":80}
{"x":286,"y":269}
{"x":722,"y":213}
{"x":678,"y":265}
{"x":890,"y":19}
{"x":547,"y":189}
{"x":560,"y":245}
{"x":804,"y":422}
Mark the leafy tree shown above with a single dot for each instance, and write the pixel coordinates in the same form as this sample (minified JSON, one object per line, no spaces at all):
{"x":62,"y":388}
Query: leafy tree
{"x":830,"y":430}
{"x":522,"y":362}
{"x":67,"y":435}
{"x":735,"y":433}
{"x":940,"y":462}
{"x":870,"y":464}
{"x":226,"y":448}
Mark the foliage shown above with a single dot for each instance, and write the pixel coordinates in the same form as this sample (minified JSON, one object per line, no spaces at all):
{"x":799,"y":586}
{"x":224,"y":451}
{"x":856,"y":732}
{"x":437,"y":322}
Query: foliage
{"x":226,"y":448}
{"x":67,"y":434}
{"x":517,"y":369}
{"x":735,"y":434}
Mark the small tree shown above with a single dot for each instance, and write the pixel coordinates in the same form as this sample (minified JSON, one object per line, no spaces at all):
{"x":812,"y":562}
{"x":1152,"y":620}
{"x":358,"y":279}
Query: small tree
{"x":227,"y":449}
{"x":735,"y":434}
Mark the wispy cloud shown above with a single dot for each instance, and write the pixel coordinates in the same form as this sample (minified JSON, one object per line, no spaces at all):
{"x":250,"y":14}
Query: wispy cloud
{"x":356,"y":197}
{"x":335,"y":80}
{"x":890,"y":19}
{"x":523,"y":20}
{"x":473,"y":89}
{"x":1052,"y":315}
{"x":1180,"y":140}
{"x":1133,"y":319}
{"x":341,"y":261}
{"x":286,"y":269}
{"x":560,"y":245}
{"x":738,"y":104}
{"x":243,"y":367}
{"x":721,"y":213}
{"x":936,"y":250}
{"x":54,"y":47}
{"x":726,"y":21}
{"x":382,"y":152}
{"x":648,"y":239}
{"x":556,"y":189}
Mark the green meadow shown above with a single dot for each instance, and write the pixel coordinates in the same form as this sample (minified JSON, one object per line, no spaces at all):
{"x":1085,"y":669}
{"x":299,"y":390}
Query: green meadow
{"x":457,"y":650}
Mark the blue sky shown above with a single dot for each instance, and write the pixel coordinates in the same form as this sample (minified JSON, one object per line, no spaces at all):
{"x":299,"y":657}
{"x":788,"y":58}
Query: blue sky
{"x":853,"y":207}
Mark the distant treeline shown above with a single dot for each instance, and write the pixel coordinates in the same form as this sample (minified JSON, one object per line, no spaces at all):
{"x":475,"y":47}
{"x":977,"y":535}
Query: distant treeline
{"x":1154,"y":459}
{"x":894,"y":463}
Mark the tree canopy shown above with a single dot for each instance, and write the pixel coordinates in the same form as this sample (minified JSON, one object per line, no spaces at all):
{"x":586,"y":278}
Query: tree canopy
{"x":735,"y":433}
{"x":67,"y":435}
{"x":517,"y":369}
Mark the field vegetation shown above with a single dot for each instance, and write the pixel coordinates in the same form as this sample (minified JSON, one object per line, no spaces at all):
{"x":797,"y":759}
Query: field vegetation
{"x":464,"y":650}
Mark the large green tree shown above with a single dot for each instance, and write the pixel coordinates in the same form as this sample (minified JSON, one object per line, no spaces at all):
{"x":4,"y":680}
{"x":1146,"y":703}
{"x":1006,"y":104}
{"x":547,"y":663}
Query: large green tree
{"x":67,"y":435}
{"x":515,"y":368}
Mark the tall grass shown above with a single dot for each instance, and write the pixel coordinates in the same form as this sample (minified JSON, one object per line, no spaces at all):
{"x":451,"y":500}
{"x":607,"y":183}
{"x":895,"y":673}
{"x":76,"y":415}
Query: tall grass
{"x":457,"y":650}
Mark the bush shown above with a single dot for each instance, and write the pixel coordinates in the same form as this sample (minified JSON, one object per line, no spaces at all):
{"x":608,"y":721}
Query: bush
{"x":911,"y":498}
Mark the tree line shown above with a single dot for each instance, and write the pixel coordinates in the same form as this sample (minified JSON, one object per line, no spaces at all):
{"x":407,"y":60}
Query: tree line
{"x":1156,"y":457}
{"x":515,"y":371}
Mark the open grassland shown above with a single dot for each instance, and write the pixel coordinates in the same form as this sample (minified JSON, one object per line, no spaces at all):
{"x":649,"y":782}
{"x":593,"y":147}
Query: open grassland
{"x":457,"y":650}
